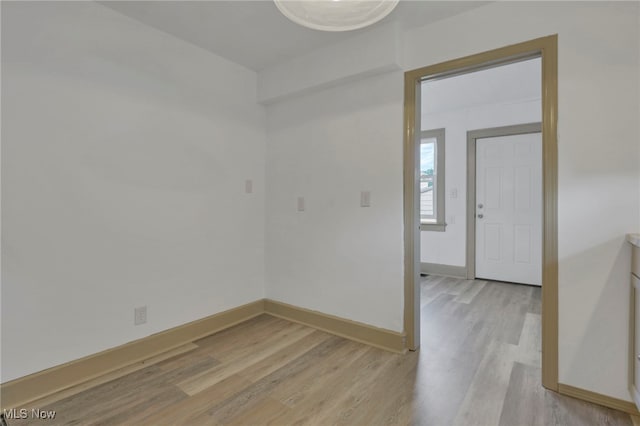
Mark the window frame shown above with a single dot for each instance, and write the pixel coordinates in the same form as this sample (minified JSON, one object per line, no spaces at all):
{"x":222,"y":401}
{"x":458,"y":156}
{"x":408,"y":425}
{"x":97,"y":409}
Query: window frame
{"x":439,"y":224}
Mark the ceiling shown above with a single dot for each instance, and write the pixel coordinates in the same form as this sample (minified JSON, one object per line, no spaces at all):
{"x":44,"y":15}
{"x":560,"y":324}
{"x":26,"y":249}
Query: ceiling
{"x":254,"y":33}
{"x":511,"y":83}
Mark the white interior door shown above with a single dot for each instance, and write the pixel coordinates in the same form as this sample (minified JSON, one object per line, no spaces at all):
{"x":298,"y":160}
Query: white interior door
{"x":509,"y":208}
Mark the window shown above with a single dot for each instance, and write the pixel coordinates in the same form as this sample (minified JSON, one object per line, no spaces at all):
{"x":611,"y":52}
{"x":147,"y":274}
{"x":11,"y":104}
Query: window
{"x":432,"y":180}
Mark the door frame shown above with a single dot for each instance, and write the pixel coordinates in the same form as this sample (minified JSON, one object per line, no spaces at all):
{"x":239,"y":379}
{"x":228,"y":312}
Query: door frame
{"x":472,"y":137}
{"x":547,"y":49}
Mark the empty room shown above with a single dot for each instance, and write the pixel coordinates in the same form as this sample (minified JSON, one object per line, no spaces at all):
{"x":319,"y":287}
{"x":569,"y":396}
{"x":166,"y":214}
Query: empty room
{"x":356,"y":212}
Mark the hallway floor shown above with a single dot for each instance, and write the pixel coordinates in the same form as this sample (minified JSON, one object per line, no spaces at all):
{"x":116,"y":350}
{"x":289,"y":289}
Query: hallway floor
{"x":481,"y":350}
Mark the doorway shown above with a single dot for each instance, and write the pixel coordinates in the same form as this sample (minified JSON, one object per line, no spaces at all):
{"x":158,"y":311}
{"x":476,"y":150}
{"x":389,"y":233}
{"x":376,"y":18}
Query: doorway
{"x":546,"y":49}
{"x":504,"y":204}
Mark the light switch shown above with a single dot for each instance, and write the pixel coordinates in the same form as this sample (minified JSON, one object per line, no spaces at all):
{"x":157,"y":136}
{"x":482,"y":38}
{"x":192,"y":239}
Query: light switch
{"x":248,"y":186}
{"x":365,"y":199}
{"x":451,"y":220}
{"x":453,"y":193}
{"x":300,"y":204}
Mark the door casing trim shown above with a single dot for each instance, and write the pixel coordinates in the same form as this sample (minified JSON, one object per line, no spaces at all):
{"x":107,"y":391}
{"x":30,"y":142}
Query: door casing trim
{"x":547,"y":49}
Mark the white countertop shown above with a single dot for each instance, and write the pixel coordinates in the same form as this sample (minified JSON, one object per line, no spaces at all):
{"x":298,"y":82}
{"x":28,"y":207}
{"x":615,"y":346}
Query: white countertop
{"x":634,"y":239}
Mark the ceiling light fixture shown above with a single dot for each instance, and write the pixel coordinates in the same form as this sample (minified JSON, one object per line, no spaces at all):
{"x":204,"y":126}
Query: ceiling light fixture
{"x":335,"y":15}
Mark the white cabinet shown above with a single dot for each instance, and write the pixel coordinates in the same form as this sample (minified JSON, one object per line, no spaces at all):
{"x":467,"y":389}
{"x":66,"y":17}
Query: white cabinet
{"x":635,"y":324}
{"x":636,"y":353}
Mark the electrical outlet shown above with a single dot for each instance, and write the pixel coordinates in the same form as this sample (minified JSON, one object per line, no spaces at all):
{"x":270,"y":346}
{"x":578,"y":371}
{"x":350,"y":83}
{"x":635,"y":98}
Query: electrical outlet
{"x":453,"y":193}
{"x":300,"y":204}
{"x":248,"y":186}
{"x":140,"y":315}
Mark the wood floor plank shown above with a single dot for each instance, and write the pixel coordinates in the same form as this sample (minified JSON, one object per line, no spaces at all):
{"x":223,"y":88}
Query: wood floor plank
{"x":233,"y":342}
{"x":306,"y":385}
{"x":501,"y":307}
{"x":530,"y":344}
{"x":485,"y":397}
{"x":524,"y":401}
{"x":441,"y":286}
{"x":471,"y":292}
{"x":133,"y":414}
{"x":258,"y":352}
{"x":321,"y":404}
{"x":256,"y":392}
{"x":262,"y":413}
{"x":373,"y":402}
{"x":535,"y":305}
{"x":194,"y":356}
{"x":194,"y":410}
{"x":428,"y":282}
{"x":460,"y":286}
{"x":284,"y":356}
{"x":281,"y":331}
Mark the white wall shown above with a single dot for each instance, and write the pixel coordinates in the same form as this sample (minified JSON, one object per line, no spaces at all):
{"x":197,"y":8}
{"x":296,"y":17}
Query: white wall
{"x":378,"y":52}
{"x":493,"y":97}
{"x":124,"y":155}
{"x":337,"y":257}
{"x":598,"y":180}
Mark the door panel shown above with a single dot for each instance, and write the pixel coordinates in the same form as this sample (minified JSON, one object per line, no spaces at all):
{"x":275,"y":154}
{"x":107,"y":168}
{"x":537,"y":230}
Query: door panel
{"x":493,"y":187}
{"x":522,"y":249}
{"x":492,"y":242}
{"x":523,"y":188}
{"x":509,"y":208}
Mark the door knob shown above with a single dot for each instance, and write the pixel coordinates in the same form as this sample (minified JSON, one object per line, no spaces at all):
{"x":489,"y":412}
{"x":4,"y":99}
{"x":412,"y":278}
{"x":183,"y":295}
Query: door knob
{"x":480,"y":206}
{"x":480,"y":216}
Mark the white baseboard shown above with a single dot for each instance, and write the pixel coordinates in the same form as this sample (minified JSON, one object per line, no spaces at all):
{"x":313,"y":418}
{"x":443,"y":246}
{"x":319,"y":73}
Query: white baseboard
{"x":445,"y":270}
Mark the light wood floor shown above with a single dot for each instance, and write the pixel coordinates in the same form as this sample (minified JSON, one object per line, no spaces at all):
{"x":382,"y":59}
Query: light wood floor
{"x":479,"y":365}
